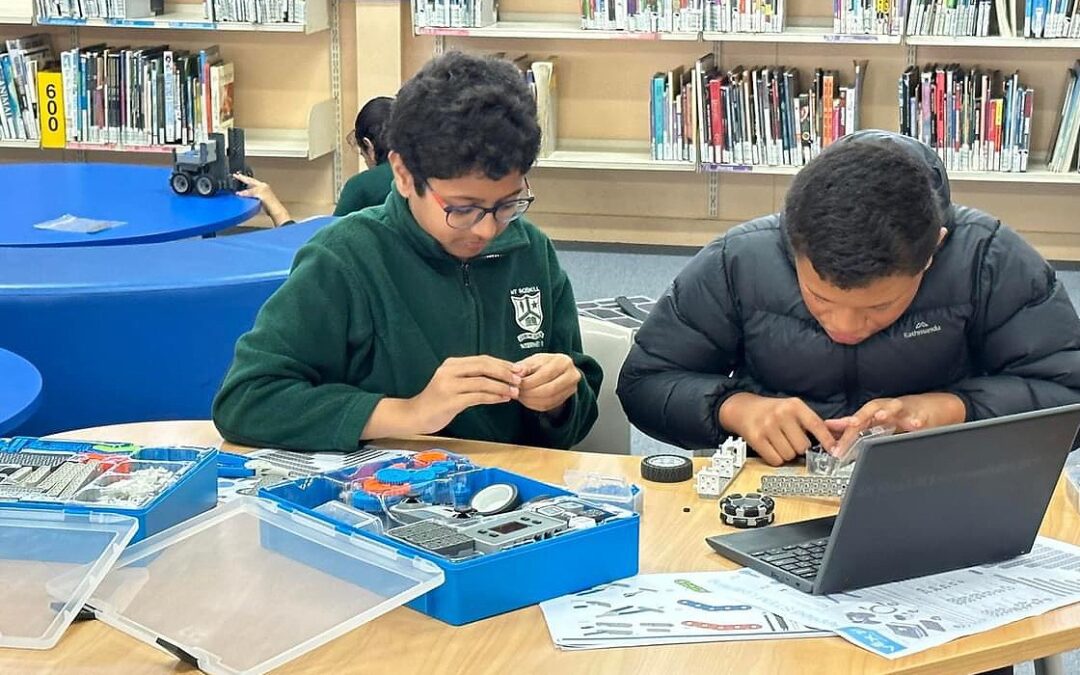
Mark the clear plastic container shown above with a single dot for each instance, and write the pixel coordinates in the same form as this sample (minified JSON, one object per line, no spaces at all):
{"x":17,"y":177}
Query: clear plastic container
{"x":50,"y":562}
{"x":248,"y":586}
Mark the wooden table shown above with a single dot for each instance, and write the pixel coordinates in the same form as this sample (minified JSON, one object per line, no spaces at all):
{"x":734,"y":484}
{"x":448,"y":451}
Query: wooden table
{"x":407,"y":642}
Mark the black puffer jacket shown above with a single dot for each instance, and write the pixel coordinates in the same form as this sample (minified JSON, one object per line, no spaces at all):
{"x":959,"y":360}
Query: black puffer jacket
{"x":990,"y":323}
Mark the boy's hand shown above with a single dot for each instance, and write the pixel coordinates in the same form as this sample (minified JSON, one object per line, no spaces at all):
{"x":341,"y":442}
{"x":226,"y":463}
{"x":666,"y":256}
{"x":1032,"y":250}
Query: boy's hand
{"x":777,"y":429}
{"x":548,"y":380}
{"x":461,"y":383}
{"x":261,"y":191}
{"x":906,"y":413}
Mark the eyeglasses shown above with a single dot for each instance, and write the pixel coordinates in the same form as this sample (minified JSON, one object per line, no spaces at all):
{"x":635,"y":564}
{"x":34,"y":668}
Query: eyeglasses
{"x":504,"y":212}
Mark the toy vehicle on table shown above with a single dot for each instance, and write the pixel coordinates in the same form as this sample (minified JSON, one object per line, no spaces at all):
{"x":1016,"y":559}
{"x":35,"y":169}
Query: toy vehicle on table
{"x":209,"y":165}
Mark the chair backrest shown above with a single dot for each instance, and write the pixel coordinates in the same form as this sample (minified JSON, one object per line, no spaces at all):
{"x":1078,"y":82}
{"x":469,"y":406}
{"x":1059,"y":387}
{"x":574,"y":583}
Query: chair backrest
{"x":608,"y":344}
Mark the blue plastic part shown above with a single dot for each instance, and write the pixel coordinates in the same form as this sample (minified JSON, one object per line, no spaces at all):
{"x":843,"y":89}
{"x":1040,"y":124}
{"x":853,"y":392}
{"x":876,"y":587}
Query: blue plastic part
{"x":230,"y":465}
{"x":193,"y":492}
{"x":491,"y":584}
{"x":392,"y":476}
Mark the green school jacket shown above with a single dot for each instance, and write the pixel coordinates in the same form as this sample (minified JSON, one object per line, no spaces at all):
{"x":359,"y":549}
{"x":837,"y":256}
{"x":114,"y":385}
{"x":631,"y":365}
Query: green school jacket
{"x":372,"y":306}
{"x":367,"y":188}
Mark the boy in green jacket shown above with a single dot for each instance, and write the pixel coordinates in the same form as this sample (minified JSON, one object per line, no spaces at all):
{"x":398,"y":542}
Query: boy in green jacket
{"x":441,"y":312}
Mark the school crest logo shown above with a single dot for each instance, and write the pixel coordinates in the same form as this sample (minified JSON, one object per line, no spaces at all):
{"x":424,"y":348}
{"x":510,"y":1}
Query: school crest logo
{"x":529,"y":316}
{"x":527,"y":310}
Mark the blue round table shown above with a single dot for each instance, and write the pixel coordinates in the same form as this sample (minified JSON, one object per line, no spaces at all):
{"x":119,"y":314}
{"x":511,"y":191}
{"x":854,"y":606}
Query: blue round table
{"x":138,"y":196}
{"x":20,"y":390}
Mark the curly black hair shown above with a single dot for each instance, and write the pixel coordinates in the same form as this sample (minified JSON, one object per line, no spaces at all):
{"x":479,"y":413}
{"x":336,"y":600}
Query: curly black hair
{"x":462,"y":114}
{"x":863,"y":211}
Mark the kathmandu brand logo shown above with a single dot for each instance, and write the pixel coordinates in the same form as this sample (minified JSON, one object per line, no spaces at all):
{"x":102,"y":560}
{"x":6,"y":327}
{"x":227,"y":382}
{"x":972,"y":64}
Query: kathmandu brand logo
{"x":922,"y":328}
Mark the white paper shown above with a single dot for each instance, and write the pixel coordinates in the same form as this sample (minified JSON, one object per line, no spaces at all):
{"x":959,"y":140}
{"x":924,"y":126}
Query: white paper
{"x":906,"y":617}
{"x":652,"y":609}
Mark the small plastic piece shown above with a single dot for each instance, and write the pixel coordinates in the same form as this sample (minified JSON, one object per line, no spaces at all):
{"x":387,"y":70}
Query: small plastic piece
{"x":667,"y":468}
{"x":847,"y":455}
{"x":493,"y":499}
{"x":70,"y":223}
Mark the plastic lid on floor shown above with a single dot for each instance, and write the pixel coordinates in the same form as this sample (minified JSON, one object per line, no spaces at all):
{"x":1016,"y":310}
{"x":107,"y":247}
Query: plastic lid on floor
{"x":50,"y":563}
{"x":249,"y":586}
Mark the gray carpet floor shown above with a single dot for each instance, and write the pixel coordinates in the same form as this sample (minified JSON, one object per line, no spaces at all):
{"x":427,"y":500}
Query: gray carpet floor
{"x":602,"y":272}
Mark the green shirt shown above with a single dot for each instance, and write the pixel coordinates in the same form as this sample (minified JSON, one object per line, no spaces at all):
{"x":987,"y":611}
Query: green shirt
{"x":367,"y":188}
{"x":372,"y":306}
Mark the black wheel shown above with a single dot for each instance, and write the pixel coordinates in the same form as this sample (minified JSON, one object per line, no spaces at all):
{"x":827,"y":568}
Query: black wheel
{"x":180,"y":183}
{"x":667,"y":468}
{"x":204,"y":185}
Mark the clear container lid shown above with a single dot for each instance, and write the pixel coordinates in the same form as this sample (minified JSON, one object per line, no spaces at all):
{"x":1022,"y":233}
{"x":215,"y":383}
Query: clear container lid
{"x":50,"y":563}
{"x":249,"y":586}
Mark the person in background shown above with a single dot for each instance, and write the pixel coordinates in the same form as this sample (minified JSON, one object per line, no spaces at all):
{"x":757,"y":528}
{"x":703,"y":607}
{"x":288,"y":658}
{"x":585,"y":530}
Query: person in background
{"x":443,"y":311}
{"x":367,"y":188}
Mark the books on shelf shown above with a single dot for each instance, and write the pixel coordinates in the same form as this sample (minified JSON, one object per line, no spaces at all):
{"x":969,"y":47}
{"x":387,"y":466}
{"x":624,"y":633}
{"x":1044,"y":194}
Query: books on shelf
{"x":645,"y":16}
{"x":454,"y":13}
{"x":976,"y":120}
{"x":761,"y":116}
{"x":1051,"y":19}
{"x":1063,"y":150}
{"x":869,"y":17}
{"x":540,"y":76}
{"x":150,"y":96}
{"x":256,"y":11}
{"x":959,"y":18}
{"x":99,"y":9}
{"x":20,"y":62}
{"x":745,"y":16}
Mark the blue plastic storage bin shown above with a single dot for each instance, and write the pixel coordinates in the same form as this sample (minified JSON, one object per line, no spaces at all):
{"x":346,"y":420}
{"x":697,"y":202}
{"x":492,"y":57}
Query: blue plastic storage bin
{"x":491,"y":584}
{"x":194,"y":491}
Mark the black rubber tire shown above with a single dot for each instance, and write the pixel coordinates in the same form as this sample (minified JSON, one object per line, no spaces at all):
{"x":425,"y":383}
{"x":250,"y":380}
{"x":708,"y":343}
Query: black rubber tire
{"x":204,"y":186}
{"x":180,"y":183}
{"x":667,"y":468}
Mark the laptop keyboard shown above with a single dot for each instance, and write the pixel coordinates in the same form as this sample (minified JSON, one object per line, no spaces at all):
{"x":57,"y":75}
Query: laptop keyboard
{"x":802,"y":560}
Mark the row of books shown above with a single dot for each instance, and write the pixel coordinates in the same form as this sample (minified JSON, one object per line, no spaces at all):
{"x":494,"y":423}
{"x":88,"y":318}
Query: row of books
{"x":1067,"y":134}
{"x":976,"y":120}
{"x":1051,"y":18}
{"x":975,"y":18}
{"x":644,"y":16}
{"x":539,"y":74}
{"x":99,"y":9}
{"x":957,"y":18}
{"x":868,"y":17}
{"x":454,"y":13}
{"x":19,"y":65}
{"x":256,"y":11}
{"x":247,"y":11}
{"x":145,"y":97}
{"x":759,"y":116}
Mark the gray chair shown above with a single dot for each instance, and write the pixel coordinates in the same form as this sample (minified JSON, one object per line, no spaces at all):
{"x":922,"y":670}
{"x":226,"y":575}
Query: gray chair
{"x":608,"y":344}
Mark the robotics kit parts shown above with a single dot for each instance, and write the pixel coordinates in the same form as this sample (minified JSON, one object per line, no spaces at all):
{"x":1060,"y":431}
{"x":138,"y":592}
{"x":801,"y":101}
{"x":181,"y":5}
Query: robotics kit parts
{"x":804,"y":486}
{"x":747,"y":510}
{"x":667,"y":468}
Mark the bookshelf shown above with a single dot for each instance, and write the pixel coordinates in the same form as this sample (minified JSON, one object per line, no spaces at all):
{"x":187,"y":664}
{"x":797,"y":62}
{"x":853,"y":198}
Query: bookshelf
{"x":991,"y":42}
{"x":297,"y":146}
{"x":600,"y":184}
{"x":189,"y":16}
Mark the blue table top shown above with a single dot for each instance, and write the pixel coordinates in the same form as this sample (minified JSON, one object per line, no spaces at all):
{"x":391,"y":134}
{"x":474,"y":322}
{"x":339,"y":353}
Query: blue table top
{"x":139,"y":196}
{"x":20,"y":390}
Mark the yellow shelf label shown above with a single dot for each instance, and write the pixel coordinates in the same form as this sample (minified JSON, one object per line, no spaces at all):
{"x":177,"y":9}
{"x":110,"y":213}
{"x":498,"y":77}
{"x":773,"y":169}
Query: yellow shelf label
{"x":51,"y":106}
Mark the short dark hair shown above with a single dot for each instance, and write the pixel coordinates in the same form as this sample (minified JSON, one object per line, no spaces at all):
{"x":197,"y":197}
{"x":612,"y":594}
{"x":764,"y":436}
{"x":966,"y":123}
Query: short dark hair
{"x":371,"y":124}
{"x":462,"y":114}
{"x":862,"y":211}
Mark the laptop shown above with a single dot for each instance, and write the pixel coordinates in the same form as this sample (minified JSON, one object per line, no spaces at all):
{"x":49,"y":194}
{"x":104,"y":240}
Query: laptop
{"x":921,"y":503}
